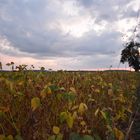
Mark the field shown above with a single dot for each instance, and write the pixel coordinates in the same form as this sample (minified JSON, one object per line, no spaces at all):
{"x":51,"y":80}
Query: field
{"x":66,"y":105}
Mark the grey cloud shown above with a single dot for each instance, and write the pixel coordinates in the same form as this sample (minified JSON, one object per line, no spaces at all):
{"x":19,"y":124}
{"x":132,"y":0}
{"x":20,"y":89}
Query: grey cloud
{"x":109,"y":10}
{"x":90,"y":62}
{"x":27,"y":18}
{"x":52,"y":43}
{"x":87,"y":3}
{"x":26,"y":24}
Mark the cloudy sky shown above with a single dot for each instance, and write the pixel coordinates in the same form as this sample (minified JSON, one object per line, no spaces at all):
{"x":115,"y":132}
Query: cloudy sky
{"x":65,"y":34}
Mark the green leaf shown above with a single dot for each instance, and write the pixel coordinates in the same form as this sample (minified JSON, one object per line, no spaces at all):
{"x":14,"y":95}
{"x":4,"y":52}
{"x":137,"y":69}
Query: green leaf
{"x":59,"y":136}
{"x":59,"y":96}
{"x":74,"y":136}
{"x":63,"y":116}
{"x":53,"y":87}
{"x":1,"y":113}
{"x":10,"y":137}
{"x":87,"y":137}
{"x":53,"y":137}
{"x":96,"y":137}
{"x":18,"y":137}
{"x":69,"y":96}
{"x":106,"y":116}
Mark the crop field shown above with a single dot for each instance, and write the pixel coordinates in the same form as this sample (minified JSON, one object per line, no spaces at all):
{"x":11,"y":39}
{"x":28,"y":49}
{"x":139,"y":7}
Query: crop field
{"x":66,"y":105}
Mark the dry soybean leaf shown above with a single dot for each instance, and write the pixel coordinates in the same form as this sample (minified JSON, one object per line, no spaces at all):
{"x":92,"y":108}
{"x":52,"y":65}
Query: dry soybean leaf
{"x":4,"y":109}
{"x":56,"y":130}
{"x":75,"y":107}
{"x":97,"y":90}
{"x":83,"y":123}
{"x":45,"y":91}
{"x":49,"y":90}
{"x":73,"y":89}
{"x":104,"y":115}
{"x":82,"y":108}
{"x":110,"y":85}
{"x":35,"y":103}
{"x":2,"y":137}
{"x":110,"y":92}
{"x":119,"y":134}
{"x":70,"y":121}
{"x":53,"y":137}
{"x":43,"y":94}
{"x":75,"y":116}
{"x":97,"y":111}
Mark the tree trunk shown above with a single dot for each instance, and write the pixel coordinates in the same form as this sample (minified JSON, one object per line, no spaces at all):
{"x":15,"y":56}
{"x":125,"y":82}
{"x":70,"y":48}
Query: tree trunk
{"x":136,"y":70}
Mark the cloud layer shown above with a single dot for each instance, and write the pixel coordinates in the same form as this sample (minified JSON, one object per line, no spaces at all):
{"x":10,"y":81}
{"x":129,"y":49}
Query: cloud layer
{"x":80,"y":33}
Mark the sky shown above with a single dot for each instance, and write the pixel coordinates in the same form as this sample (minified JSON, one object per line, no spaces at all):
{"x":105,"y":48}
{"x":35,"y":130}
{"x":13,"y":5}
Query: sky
{"x":65,"y":34}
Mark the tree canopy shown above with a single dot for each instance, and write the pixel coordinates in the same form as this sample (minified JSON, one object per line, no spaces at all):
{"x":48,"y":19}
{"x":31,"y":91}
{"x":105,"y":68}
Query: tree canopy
{"x":131,"y":54}
{"x":131,"y":51}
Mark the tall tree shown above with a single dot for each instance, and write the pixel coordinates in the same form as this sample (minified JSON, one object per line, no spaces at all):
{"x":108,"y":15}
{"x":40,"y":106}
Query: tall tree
{"x":0,"y":65}
{"x":131,"y":51}
{"x":131,"y":55}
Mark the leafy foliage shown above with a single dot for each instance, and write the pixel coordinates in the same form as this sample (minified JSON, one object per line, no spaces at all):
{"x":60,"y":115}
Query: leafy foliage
{"x":131,"y":55}
{"x":66,"y":105}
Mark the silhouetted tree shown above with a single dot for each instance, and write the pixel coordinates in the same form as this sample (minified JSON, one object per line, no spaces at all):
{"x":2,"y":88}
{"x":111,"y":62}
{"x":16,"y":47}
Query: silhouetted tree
{"x":131,"y":51}
{"x":131,"y":55}
{"x":0,"y":65}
